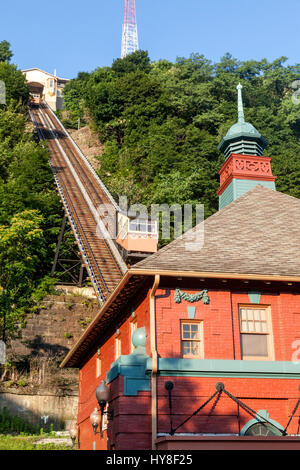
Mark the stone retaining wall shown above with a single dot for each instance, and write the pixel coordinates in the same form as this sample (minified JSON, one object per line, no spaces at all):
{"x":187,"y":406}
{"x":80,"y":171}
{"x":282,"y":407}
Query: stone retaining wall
{"x":55,"y":325}
{"x":48,"y":395}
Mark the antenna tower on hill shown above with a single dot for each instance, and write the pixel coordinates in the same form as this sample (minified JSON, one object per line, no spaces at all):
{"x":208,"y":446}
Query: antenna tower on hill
{"x":130,"y":42}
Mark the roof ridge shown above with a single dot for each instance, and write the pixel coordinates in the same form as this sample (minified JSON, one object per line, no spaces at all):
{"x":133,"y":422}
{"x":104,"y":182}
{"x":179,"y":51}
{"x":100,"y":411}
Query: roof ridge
{"x":44,"y":71}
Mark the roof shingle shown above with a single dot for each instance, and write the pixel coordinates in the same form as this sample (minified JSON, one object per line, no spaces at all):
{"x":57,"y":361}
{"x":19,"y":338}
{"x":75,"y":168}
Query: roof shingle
{"x":259,"y":233}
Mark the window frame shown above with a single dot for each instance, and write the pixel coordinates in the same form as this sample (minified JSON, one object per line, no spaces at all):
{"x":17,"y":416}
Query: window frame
{"x":200,"y":340}
{"x":268,"y":333}
{"x":133,"y":328}
{"x":135,"y":225}
{"x":118,"y":346}
{"x":98,"y":366}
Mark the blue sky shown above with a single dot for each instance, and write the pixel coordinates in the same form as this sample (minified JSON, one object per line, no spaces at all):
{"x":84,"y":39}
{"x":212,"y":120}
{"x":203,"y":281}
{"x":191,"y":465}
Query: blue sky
{"x":74,"y":36}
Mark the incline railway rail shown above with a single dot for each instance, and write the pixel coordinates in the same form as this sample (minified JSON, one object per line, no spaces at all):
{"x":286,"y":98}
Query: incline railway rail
{"x":82,"y":192}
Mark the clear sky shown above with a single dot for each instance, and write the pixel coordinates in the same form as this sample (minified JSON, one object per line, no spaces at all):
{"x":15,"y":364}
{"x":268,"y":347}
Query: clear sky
{"x":74,"y":36}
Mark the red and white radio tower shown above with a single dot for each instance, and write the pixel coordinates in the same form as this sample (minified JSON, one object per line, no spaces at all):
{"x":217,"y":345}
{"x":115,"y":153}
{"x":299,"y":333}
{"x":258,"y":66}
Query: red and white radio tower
{"x":130,"y":42}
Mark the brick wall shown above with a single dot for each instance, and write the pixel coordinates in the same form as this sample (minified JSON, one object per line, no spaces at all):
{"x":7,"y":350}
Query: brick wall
{"x":131,"y":426}
{"x":216,"y":317}
{"x":105,"y":350}
{"x":221,"y":322}
{"x":277,"y":396}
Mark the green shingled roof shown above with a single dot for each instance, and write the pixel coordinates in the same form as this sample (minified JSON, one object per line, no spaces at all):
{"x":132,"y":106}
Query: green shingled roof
{"x":241,"y":129}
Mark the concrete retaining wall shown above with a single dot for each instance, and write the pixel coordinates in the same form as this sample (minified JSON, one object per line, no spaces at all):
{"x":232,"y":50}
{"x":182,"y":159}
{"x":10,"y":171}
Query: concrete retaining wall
{"x":41,"y":410}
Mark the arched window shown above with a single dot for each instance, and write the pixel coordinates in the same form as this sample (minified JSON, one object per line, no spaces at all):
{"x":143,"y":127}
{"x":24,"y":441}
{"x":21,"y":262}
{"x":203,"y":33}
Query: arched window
{"x":262,"y":429}
{"x":259,"y":427}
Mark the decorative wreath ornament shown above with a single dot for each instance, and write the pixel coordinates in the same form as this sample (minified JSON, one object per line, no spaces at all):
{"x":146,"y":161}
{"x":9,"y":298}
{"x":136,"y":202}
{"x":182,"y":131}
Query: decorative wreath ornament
{"x":179,"y":295}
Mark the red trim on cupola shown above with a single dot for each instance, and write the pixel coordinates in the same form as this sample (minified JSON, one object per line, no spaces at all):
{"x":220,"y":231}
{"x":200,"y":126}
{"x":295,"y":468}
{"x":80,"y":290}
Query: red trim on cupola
{"x":250,"y":167}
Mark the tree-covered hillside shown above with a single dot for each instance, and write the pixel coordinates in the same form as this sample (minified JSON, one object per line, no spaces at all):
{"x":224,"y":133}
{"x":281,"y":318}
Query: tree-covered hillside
{"x":30,"y":213}
{"x":161,"y":123}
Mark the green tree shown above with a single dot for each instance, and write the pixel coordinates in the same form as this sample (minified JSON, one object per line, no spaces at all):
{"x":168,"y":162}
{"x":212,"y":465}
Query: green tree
{"x":138,"y":60}
{"x":161,"y":123}
{"x":15,"y":83}
{"x":74,"y":92}
{"x":5,"y":51}
{"x":22,"y":246}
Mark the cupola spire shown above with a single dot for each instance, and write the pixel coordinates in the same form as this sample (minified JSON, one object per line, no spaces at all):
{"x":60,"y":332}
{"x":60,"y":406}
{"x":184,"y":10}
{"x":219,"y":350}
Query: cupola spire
{"x":241,"y":116}
{"x":242,"y":137}
{"x":245,"y":166}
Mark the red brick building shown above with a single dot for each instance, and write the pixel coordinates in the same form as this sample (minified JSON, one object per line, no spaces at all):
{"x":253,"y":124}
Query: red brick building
{"x":215,"y":323}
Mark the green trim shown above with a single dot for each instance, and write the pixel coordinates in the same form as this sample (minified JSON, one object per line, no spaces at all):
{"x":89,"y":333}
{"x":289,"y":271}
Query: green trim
{"x":225,"y":368}
{"x":132,"y":368}
{"x":191,"y":312}
{"x":238,"y":187}
{"x":234,"y":184}
{"x":191,"y":297}
{"x":242,"y":186}
{"x":136,"y":370}
{"x":227,"y":196}
{"x":254,"y":297}
{"x":134,"y":385}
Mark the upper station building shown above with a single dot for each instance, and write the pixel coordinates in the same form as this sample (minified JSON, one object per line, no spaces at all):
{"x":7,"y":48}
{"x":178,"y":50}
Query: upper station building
{"x":199,"y":346}
{"x":47,"y":86}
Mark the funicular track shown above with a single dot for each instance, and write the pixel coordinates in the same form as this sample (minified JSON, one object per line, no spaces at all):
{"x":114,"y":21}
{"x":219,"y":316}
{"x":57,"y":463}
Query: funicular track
{"x":82,"y":192}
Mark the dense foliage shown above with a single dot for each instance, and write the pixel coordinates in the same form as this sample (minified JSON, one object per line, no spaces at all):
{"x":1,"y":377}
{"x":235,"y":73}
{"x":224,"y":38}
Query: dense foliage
{"x":30,"y":212}
{"x":161,"y":123}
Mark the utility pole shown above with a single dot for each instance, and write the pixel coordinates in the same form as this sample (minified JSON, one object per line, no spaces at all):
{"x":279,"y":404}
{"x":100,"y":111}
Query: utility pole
{"x":130,"y":41}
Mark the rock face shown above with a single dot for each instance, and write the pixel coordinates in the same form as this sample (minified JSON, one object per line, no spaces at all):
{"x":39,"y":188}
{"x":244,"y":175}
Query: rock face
{"x":55,"y":325}
{"x":34,"y":387}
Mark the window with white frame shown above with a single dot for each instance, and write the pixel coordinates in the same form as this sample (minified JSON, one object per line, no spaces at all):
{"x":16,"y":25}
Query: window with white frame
{"x":256,"y":333}
{"x":192,"y":339}
{"x":142,"y":225}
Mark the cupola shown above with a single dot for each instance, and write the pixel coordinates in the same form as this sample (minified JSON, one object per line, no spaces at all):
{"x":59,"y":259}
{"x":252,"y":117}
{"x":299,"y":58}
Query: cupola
{"x":245,"y":166}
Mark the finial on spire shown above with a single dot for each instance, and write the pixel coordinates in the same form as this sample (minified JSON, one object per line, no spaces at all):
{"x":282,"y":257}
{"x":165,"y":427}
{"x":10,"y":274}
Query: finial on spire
{"x":241,"y":116}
